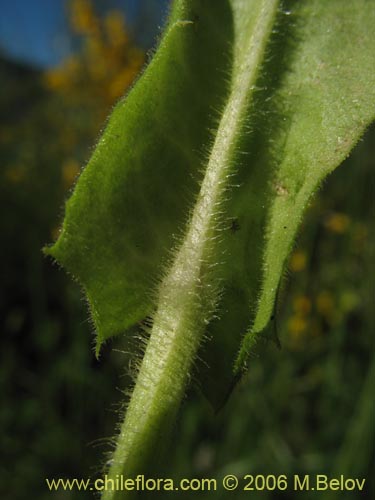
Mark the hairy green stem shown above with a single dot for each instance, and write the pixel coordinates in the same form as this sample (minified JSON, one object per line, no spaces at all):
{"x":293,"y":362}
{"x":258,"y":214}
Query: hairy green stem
{"x":189,"y":292}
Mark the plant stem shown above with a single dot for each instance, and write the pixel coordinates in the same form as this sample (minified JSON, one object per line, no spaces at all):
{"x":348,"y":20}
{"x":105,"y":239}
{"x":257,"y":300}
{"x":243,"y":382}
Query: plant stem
{"x":189,"y":292}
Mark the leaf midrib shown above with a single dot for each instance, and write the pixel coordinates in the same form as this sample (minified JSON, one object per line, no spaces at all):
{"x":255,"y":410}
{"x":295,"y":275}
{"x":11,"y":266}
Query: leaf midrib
{"x":187,"y":295}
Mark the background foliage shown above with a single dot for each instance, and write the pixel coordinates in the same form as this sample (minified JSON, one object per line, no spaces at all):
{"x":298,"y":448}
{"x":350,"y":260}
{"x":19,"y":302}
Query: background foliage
{"x":308,"y":408}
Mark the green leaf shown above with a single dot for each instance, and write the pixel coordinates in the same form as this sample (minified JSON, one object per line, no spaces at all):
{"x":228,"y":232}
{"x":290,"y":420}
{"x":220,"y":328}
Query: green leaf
{"x":326,"y":99}
{"x":132,"y":200}
{"x":275,"y":94}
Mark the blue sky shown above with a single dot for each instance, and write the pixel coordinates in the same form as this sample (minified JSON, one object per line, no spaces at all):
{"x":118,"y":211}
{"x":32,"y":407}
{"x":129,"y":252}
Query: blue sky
{"x":36,"y":31}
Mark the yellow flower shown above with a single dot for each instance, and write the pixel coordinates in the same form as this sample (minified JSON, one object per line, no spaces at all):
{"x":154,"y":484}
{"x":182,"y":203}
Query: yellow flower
{"x":298,"y":261}
{"x":121,"y":82}
{"x":83,"y":18}
{"x":337,"y":223}
{"x":115,"y":28}
{"x":297,"y":325}
{"x":62,"y":77}
{"x":54,"y":79}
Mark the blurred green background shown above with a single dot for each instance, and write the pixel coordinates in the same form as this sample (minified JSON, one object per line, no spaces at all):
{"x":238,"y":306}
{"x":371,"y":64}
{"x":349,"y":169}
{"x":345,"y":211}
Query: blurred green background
{"x":306,"y":409}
